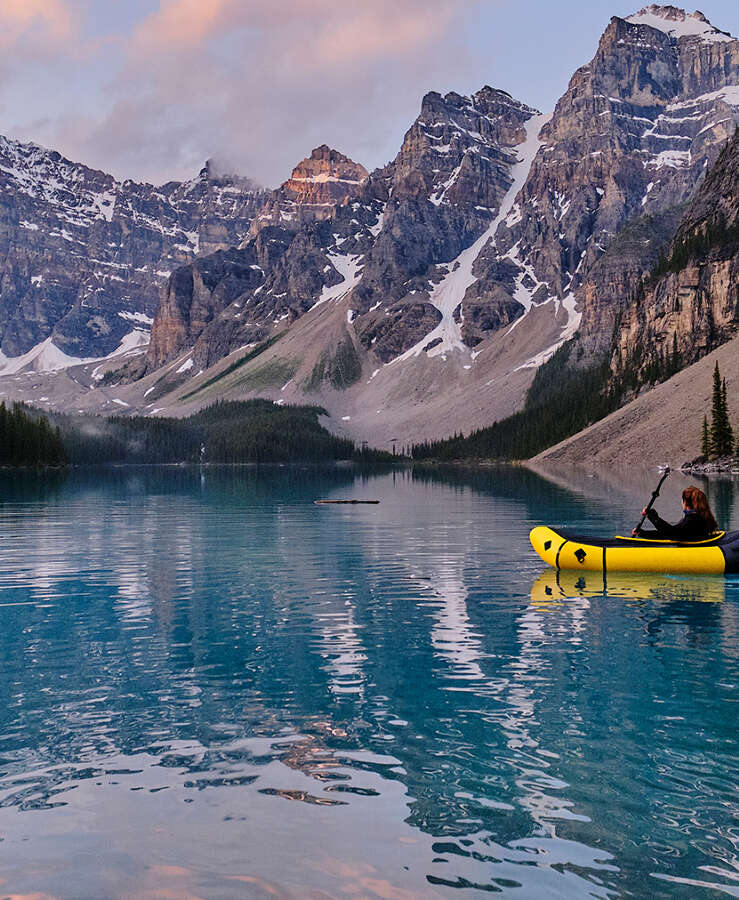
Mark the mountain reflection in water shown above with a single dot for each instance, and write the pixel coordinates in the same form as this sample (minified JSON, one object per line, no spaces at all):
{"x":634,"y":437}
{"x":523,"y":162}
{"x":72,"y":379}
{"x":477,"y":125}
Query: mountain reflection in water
{"x":209,"y":686}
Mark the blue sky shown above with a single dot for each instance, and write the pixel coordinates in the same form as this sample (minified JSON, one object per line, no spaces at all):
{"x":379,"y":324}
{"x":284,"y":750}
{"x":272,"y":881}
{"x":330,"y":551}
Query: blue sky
{"x":149,"y":90}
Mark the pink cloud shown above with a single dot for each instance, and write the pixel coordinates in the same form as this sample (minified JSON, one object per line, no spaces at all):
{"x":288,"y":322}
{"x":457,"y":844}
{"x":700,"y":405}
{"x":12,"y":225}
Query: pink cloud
{"x":182,"y":23}
{"x":381,"y":30}
{"x":255,"y":83}
{"x":310,"y":33}
{"x":40,"y":21}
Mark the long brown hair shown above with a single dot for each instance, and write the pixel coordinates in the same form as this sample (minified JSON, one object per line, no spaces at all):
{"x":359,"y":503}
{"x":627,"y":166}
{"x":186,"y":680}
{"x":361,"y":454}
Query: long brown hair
{"x":695,"y":499}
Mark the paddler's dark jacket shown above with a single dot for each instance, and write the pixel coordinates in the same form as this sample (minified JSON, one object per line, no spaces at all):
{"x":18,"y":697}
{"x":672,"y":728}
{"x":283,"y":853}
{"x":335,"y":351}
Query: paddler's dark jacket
{"x":690,"y":528}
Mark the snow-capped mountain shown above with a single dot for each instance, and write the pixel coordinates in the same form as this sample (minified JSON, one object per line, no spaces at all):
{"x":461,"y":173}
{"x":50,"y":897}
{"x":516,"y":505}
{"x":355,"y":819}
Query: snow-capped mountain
{"x":632,"y":136}
{"x":237,"y":296}
{"x":83,"y":256}
{"x":492,"y":213}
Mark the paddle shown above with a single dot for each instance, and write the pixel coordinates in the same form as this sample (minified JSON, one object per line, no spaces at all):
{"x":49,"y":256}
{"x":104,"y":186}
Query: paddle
{"x":655,"y":494}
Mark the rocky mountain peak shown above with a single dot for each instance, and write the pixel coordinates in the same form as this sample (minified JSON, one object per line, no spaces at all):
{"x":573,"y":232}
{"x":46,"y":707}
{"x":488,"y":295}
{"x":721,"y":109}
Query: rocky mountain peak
{"x":328,"y":154}
{"x":83,"y":256}
{"x":318,"y":184}
{"x":459,"y":148}
{"x":634,"y":133}
{"x":494,"y":101}
{"x":434,"y":102}
{"x":670,"y":13}
{"x":326,"y":176}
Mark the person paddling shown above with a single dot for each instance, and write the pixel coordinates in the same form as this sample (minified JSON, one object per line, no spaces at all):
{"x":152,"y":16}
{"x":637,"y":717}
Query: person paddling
{"x":697,"y":523}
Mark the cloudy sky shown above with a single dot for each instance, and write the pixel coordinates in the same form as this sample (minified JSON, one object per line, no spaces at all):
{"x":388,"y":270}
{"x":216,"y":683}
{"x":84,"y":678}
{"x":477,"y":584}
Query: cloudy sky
{"x":149,"y":90}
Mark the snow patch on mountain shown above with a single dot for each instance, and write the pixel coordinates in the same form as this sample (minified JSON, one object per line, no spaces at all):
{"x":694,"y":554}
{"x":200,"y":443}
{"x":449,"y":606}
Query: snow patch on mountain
{"x":675,"y":159}
{"x":678,"y":24}
{"x":44,"y":357}
{"x":47,"y":357}
{"x":449,"y":293}
{"x":568,"y":304}
{"x":139,"y":317}
{"x":349,"y":267}
{"x":375,"y":229}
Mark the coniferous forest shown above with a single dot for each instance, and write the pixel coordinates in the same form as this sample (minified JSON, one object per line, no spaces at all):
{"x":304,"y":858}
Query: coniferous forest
{"x":253,"y":431}
{"x":28,"y":439}
{"x":562,"y":399}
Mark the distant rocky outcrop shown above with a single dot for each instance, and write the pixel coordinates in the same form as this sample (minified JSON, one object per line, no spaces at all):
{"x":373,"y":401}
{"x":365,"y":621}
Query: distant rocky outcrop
{"x":390,"y":238}
{"x":444,"y":192}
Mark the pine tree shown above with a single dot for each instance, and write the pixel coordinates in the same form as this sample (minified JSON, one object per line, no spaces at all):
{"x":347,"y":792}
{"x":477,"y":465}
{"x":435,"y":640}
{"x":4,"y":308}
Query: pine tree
{"x":716,"y":439}
{"x":729,"y":444}
{"x":705,"y":440}
{"x":722,"y":438}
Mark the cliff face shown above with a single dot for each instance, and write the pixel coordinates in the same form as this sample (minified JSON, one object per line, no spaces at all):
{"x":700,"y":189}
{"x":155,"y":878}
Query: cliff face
{"x":692,"y":304}
{"x":83,"y":256}
{"x":617,"y":275}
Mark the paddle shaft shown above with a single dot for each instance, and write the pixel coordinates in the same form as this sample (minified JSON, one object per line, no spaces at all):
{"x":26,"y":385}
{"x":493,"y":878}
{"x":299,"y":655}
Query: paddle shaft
{"x":655,"y":494}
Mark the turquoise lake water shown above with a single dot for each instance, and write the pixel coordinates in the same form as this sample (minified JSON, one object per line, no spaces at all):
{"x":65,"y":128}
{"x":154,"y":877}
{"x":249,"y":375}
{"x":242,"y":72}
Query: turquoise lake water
{"x":213,"y":688}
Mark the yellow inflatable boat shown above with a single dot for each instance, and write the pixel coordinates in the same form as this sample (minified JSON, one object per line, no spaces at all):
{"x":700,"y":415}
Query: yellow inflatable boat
{"x":716,"y":556}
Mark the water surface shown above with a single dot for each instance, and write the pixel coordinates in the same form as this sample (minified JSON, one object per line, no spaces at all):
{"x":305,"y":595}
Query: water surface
{"x":211,"y":687}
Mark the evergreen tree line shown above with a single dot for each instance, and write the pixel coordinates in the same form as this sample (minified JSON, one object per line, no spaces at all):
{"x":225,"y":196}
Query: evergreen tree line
{"x":718,"y":438}
{"x":27,"y":438}
{"x":254,"y":431}
{"x":260,"y":431}
{"x":647,"y":364}
{"x":563,"y":399}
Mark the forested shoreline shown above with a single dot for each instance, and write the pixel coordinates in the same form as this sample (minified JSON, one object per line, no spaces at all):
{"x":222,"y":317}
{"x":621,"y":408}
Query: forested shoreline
{"x":252,"y":431}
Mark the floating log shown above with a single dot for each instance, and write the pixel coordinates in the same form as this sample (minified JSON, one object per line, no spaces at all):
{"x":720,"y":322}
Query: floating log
{"x":320,"y":502}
